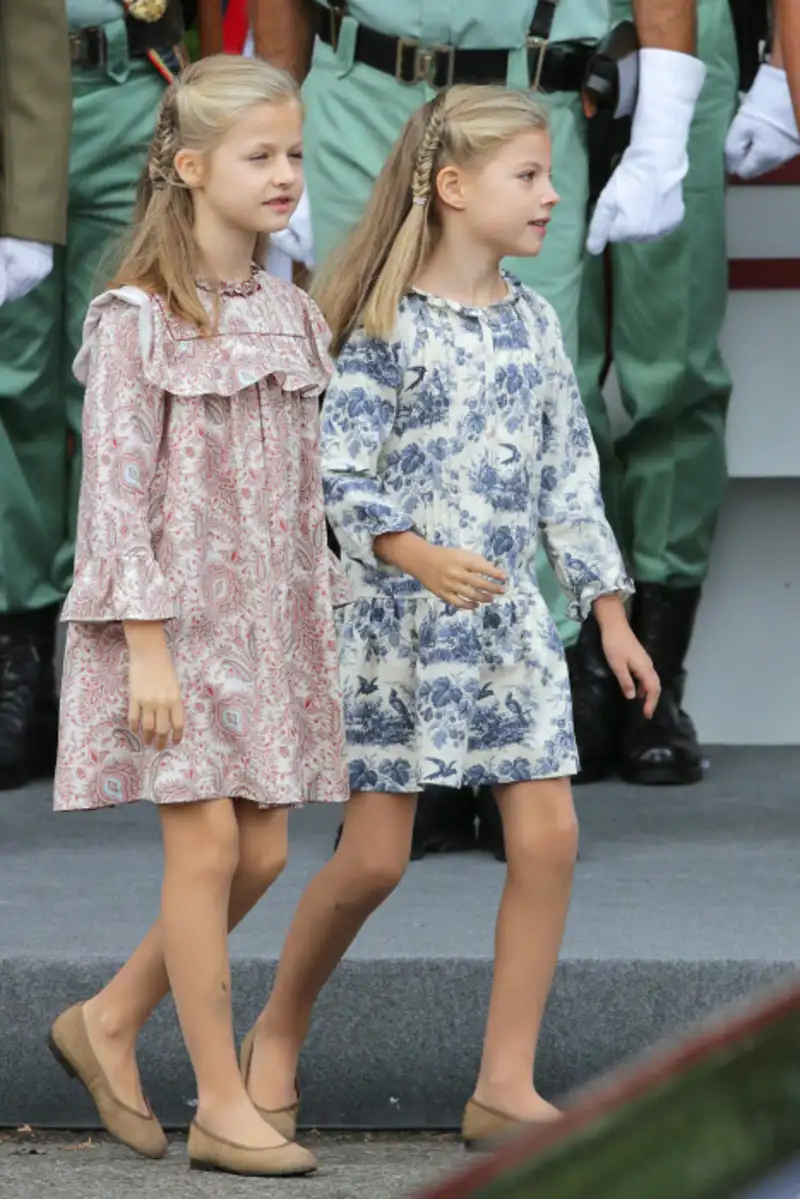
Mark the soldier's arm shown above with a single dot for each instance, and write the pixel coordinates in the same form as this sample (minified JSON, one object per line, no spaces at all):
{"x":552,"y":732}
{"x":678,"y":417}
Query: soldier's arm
{"x":35,"y":120}
{"x":283,"y":32}
{"x":785,"y":53}
{"x":667,"y":24}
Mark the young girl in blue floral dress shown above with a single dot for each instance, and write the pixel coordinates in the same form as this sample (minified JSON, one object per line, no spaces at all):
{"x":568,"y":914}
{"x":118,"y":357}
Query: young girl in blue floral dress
{"x":454,"y":438}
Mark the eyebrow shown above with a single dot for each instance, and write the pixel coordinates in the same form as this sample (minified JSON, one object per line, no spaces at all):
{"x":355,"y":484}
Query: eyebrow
{"x":271,"y":146}
{"x":531,"y":162}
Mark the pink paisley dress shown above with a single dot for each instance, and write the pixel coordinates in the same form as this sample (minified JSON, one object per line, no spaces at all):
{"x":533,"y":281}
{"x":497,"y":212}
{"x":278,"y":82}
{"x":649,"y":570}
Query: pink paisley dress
{"x":201,"y":506}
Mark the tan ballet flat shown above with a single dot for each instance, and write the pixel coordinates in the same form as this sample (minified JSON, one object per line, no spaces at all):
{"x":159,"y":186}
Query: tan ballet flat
{"x":282,"y":1119}
{"x":209,"y":1152}
{"x":69,"y":1044}
{"x":484,"y":1127}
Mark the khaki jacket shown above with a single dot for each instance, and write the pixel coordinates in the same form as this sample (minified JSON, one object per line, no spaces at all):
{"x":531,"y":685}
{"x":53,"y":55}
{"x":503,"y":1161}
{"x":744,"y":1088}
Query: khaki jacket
{"x":35,"y":119}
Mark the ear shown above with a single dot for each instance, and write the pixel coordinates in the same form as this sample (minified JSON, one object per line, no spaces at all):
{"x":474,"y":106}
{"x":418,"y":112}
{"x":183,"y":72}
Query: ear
{"x":189,"y":167}
{"x":450,"y":187}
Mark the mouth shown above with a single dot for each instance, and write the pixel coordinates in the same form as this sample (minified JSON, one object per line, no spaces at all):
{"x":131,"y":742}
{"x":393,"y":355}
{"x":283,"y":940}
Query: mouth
{"x":281,"y":203}
{"x":541,"y":224}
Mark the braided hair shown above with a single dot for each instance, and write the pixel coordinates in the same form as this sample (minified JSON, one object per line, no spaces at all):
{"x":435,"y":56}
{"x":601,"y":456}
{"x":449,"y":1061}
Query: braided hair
{"x":430,"y":144}
{"x":165,"y":144}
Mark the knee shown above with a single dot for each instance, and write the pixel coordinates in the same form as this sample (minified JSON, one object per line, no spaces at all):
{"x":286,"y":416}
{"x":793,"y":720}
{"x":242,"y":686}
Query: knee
{"x":215,"y":853}
{"x":263,"y":864}
{"x":551,"y":844}
{"x":375,"y":871}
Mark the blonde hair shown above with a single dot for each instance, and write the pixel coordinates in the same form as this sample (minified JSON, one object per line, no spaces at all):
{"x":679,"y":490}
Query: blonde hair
{"x":363,"y":281}
{"x":196,"y":112}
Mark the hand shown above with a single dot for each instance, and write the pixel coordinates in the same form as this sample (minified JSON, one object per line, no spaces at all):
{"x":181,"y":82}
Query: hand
{"x":23,"y":266}
{"x":155,"y":697}
{"x":459,"y":578}
{"x":643,"y":199}
{"x":764,"y":133}
{"x":631,"y":664}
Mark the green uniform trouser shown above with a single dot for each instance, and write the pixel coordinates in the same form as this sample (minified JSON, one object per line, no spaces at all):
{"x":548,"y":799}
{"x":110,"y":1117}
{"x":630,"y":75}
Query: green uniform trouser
{"x":40,"y":401}
{"x":665,"y":476}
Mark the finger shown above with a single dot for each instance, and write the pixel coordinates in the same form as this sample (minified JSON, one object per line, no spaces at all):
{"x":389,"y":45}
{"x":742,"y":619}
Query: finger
{"x":475,"y":564}
{"x":162,"y":726}
{"x":177,"y":718}
{"x":652,"y":694}
{"x":148,"y":723}
{"x":133,"y":716}
{"x":600,"y":227}
{"x":625,"y":680}
{"x":460,"y":601}
{"x":483,"y":585}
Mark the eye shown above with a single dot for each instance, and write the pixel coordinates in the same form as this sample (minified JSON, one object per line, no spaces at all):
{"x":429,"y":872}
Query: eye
{"x":297,"y":154}
{"x":258,"y":157}
{"x":530,"y":175}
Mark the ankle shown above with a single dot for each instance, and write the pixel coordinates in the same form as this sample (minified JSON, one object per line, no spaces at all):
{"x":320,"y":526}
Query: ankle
{"x":285,"y":1036}
{"x":109,"y":1021}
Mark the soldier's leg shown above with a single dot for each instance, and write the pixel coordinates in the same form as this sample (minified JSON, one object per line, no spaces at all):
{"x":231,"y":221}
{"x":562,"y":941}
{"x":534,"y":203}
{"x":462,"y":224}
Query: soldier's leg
{"x":669,"y":308}
{"x":113,"y":124}
{"x":33,"y":448}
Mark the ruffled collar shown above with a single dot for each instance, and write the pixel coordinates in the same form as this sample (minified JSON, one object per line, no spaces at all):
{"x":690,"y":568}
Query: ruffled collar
{"x":513,"y":292}
{"x":244,"y":287}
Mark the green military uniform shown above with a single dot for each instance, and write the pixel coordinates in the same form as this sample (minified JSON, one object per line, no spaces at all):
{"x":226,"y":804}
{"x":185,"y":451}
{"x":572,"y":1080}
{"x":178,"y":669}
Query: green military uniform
{"x":34,"y":70}
{"x":664,"y":478}
{"x":114,"y":107}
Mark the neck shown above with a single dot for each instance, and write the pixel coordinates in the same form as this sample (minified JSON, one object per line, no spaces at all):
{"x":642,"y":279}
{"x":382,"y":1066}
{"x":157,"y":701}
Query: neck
{"x":461,"y":269}
{"x":226,"y":254}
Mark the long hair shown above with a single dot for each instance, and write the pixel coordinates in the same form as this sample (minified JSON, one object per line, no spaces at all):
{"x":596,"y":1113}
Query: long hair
{"x":161,"y":254}
{"x":364,"y":280}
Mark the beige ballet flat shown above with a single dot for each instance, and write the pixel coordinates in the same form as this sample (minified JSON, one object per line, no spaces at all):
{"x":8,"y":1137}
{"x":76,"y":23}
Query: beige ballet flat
{"x":209,"y":1152}
{"x":282,"y":1119}
{"x":69,"y":1044}
{"x":484,"y":1127}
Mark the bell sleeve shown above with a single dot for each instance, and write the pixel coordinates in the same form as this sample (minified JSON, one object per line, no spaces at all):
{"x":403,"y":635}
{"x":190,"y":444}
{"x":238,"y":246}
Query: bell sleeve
{"x":357,"y":420}
{"x":575,"y":531}
{"x":117,"y":576}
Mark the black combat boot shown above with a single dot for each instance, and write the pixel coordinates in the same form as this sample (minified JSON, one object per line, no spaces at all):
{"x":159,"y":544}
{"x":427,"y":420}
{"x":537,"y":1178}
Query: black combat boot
{"x":662,"y":751}
{"x":490,"y":824}
{"x":445,"y":822}
{"x":596,"y":705}
{"x":28,"y":706}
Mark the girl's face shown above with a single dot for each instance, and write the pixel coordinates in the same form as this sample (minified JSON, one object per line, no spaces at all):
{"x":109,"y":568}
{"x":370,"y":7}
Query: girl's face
{"x":506,"y":202}
{"x":253,"y":179}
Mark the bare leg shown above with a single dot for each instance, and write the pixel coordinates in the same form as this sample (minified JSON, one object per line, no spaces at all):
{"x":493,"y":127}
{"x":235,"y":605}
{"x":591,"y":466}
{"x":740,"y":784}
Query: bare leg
{"x":541,"y":836}
{"x":115,"y":1016}
{"x":370,"y":861}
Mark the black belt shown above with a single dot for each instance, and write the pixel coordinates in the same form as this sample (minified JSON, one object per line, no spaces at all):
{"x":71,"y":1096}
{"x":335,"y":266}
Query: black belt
{"x":89,"y":47}
{"x":558,"y":66}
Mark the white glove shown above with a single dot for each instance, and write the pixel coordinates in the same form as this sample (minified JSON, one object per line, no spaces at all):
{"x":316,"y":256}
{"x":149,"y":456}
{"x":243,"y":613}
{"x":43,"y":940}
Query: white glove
{"x":764,"y":133}
{"x":23,"y":266}
{"x":643,"y":199}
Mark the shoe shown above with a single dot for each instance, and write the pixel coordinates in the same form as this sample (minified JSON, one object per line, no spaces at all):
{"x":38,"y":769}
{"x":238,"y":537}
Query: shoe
{"x":282,"y":1119}
{"x":490,"y":824}
{"x":663,"y":751}
{"x":485,"y":1127}
{"x":444,"y":822}
{"x":209,"y":1152}
{"x":28,"y":706}
{"x":596,"y":706}
{"x":69,"y":1044}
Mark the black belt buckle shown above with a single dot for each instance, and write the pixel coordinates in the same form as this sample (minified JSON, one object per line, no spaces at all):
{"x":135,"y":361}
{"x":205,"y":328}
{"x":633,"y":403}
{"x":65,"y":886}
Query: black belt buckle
{"x":88,"y":47}
{"x":424,"y":63}
{"x":536,"y":46}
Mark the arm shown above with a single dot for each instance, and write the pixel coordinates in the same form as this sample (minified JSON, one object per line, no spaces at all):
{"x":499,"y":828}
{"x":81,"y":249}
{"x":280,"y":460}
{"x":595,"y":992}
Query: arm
{"x":117,"y":577}
{"x":667,"y":24}
{"x":643,"y":200}
{"x":575,"y":531}
{"x":35,"y":111}
{"x":786,"y":48}
{"x":283,"y":32}
{"x":357,"y":420}
{"x":765,"y":134}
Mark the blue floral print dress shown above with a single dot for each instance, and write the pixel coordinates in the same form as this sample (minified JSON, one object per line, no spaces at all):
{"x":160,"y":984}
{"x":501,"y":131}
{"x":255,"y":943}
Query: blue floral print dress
{"x":467,"y":429}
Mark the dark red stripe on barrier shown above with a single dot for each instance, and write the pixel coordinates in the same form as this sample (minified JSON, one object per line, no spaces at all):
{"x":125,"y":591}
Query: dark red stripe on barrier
{"x":787,"y":176}
{"x":764,"y":274}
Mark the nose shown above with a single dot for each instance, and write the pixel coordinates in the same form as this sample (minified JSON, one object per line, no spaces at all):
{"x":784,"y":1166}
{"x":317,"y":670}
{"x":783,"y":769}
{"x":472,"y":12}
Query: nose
{"x":285,"y":171}
{"x":552,"y":198}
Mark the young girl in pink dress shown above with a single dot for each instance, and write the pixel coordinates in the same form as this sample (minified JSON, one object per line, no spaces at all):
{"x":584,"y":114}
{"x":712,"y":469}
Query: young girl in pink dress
{"x":201,"y":667}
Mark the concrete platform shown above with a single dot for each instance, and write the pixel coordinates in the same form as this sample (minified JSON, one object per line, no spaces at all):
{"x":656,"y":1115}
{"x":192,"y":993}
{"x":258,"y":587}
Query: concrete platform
{"x":684,"y":900}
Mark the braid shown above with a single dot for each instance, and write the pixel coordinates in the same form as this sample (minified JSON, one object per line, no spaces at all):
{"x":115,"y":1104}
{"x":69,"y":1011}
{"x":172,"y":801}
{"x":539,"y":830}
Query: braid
{"x":422,"y":179}
{"x":164,"y":146}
